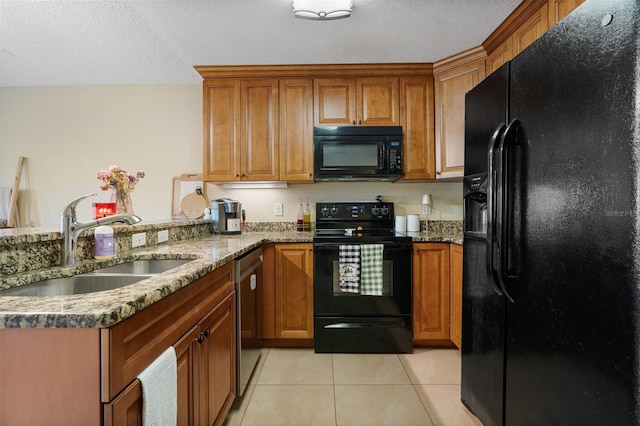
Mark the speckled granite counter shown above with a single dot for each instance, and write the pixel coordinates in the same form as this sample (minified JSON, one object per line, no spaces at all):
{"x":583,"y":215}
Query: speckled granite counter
{"x":106,"y":308}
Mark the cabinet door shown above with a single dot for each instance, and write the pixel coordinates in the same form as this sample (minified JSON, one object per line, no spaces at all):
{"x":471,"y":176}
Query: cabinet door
{"x":558,"y":9}
{"x":530,"y":30}
{"x":499,"y":57}
{"x":451,"y":86}
{"x":221,"y":109}
{"x":186,"y":367}
{"x":431,"y":291}
{"x":296,"y":130}
{"x":416,"y":118}
{"x":217,"y":362}
{"x":334,"y":102}
{"x":456,"y":295}
{"x":259,"y":130}
{"x":126,"y":408}
{"x":294,"y":291}
{"x":377,"y":102}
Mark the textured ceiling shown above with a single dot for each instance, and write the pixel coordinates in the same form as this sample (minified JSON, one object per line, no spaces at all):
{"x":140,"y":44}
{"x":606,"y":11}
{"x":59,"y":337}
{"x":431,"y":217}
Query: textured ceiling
{"x":104,"y":42}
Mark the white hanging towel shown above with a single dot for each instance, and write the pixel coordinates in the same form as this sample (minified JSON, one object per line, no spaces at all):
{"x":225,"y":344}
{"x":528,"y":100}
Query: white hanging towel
{"x":160,"y":391}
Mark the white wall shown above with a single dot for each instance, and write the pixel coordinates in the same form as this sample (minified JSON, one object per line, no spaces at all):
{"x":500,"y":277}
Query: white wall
{"x":69,"y":134}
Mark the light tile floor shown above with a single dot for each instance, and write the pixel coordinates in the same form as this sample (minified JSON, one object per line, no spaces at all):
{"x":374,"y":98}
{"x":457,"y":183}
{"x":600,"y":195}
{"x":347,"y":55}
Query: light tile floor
{"x":299,"y":387}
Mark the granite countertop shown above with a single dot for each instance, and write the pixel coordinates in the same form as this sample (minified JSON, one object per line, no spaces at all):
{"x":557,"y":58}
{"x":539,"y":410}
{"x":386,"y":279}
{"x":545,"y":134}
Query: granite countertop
{"x":107,"y":308}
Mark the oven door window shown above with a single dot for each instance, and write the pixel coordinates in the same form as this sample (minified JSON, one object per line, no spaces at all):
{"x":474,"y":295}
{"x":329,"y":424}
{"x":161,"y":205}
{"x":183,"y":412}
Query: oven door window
{"x":396,"y":292}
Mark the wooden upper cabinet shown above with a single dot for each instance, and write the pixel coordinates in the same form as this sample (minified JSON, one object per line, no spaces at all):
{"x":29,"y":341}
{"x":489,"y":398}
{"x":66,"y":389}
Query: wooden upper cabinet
{"x":221,"y":110}
{"x":531,"y":30}
{"x":259,"y":130}
{"x":558,"y":9}
{"x":334,"y":101}
{"x":296,"y":130}
{"x":499,"y":57}
{"x":240,"y":130}
{"x":416,"y":118}
{"x":356,"y":102}
{"x":377,"y":100}
{"x":454,"y":77}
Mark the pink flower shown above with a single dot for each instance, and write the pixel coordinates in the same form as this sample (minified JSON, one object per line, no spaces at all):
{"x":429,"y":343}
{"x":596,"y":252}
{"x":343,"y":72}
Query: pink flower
{"x":117,"y":179}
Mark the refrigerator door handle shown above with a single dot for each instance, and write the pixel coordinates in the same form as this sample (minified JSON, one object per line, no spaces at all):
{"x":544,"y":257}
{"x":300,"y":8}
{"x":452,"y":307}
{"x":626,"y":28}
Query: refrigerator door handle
{"x":492,"y":271}
{"x":508,"y":139}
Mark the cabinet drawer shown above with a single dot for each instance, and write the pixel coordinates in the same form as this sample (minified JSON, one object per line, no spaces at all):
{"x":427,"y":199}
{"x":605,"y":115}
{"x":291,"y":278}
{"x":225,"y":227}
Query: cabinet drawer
{"x":129,"y":347}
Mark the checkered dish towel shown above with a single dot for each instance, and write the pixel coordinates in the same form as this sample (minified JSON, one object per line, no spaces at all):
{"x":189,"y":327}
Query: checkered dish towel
{"x":371,"y":275}
{"x":349,"y":268}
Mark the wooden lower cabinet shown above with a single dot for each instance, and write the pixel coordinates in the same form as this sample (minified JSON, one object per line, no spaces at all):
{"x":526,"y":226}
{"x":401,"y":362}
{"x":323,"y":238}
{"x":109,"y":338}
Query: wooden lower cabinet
{"x":455,"y":260}
{"x":88,"y":376}
{"x":286,"y":299}
{"x":293,"y":291}
{"x":431,"y":295}
{"x":206,"y":363}
{"x":217,"y":363}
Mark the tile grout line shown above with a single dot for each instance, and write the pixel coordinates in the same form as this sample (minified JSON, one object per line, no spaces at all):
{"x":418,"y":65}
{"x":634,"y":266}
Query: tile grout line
{"x":413,"y":385}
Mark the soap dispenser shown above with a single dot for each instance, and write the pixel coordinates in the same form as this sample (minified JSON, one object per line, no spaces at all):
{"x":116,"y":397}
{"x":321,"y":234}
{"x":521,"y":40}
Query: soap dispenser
{"x":104,"y":244}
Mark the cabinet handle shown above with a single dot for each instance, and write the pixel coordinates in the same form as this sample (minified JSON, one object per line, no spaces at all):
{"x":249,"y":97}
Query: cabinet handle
{"x":353,"y":122}
{"x":203,"y":335}
{"x":359,"y":122}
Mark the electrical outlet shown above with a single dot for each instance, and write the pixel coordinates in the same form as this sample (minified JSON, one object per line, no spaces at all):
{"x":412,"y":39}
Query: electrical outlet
{"x":277,"y":209}
{"x":163,"y":236}
{"x":138,"y":240}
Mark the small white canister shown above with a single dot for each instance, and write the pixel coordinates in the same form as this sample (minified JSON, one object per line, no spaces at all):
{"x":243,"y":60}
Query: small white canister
{"x":401,"y":224}
{"x":413,"y":223}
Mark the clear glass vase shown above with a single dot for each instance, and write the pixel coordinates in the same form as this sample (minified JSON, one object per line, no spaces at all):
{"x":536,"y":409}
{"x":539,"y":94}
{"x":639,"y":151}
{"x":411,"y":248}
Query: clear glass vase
{"x":123,"y":202}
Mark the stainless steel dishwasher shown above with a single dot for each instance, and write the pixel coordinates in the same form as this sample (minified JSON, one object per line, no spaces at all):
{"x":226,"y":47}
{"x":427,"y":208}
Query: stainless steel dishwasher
{"x":248,"y":278}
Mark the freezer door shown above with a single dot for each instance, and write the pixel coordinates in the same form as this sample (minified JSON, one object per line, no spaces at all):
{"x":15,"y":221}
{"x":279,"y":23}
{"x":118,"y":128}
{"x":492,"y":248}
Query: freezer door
{"x":483,"y":306}
{"x":572,"y":338}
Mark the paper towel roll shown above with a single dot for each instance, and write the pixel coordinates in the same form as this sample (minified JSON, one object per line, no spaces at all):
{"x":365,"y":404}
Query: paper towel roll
{"x":413,"y":223}
{"x":401,"y":224}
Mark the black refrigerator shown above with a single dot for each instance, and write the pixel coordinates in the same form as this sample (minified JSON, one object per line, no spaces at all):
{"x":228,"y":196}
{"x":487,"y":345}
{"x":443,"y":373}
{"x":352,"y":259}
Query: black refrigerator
{"x":551,"y":276}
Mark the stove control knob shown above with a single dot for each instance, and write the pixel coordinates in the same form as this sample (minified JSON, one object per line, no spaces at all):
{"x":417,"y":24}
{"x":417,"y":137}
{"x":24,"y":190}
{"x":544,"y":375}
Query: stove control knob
{"x":385,"y":210}
{"x":375,"y":211}
{"x":324,"y":210}
{"x":334,"y":210}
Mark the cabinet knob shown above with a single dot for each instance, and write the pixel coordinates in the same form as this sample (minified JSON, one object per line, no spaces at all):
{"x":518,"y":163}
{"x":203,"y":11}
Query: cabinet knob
{"x":359,"y":122}
{"x":207,"y":333}
{"x":353,"y":122}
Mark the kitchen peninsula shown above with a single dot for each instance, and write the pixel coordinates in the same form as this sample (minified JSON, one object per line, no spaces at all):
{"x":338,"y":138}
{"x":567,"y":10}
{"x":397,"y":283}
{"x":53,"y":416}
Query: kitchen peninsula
{"x":82,"y":353}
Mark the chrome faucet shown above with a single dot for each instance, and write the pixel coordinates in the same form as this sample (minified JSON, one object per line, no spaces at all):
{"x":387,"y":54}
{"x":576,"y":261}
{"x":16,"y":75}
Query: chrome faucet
{"x":70,"y":228}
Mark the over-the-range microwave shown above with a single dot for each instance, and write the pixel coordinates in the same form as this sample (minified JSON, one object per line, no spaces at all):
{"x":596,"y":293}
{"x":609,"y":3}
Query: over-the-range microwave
{"x":357,"y":153}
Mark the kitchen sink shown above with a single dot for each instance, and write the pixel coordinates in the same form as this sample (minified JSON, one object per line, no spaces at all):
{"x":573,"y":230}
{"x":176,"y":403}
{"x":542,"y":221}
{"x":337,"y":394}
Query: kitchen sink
{"x":108,"y":278}
{"x":146,"y":266}
{"x":78,"y":284}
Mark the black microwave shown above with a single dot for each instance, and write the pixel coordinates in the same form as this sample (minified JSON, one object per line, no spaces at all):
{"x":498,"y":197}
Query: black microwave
{"x":357,"y":153}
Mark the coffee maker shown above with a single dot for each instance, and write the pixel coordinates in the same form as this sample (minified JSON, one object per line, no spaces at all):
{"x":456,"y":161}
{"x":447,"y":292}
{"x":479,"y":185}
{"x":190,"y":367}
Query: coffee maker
{"x":226,"y":216}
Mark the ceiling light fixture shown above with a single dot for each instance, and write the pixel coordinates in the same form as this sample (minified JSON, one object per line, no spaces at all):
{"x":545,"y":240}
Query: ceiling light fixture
{"x":322,"y":9}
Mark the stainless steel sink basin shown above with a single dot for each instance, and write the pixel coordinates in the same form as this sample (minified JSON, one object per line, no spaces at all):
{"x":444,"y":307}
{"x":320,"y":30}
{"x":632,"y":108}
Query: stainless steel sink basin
{"x":147,"y":266}
{"x":78,"y":284}
{"x":108,"y":278}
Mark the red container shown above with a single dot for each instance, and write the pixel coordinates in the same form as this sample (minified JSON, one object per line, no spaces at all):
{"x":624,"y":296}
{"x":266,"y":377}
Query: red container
{"x":101,"y":210}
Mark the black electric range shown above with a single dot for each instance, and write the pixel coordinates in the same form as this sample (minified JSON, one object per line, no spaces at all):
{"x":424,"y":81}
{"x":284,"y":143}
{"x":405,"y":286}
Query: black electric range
{"x":353,"y":319}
